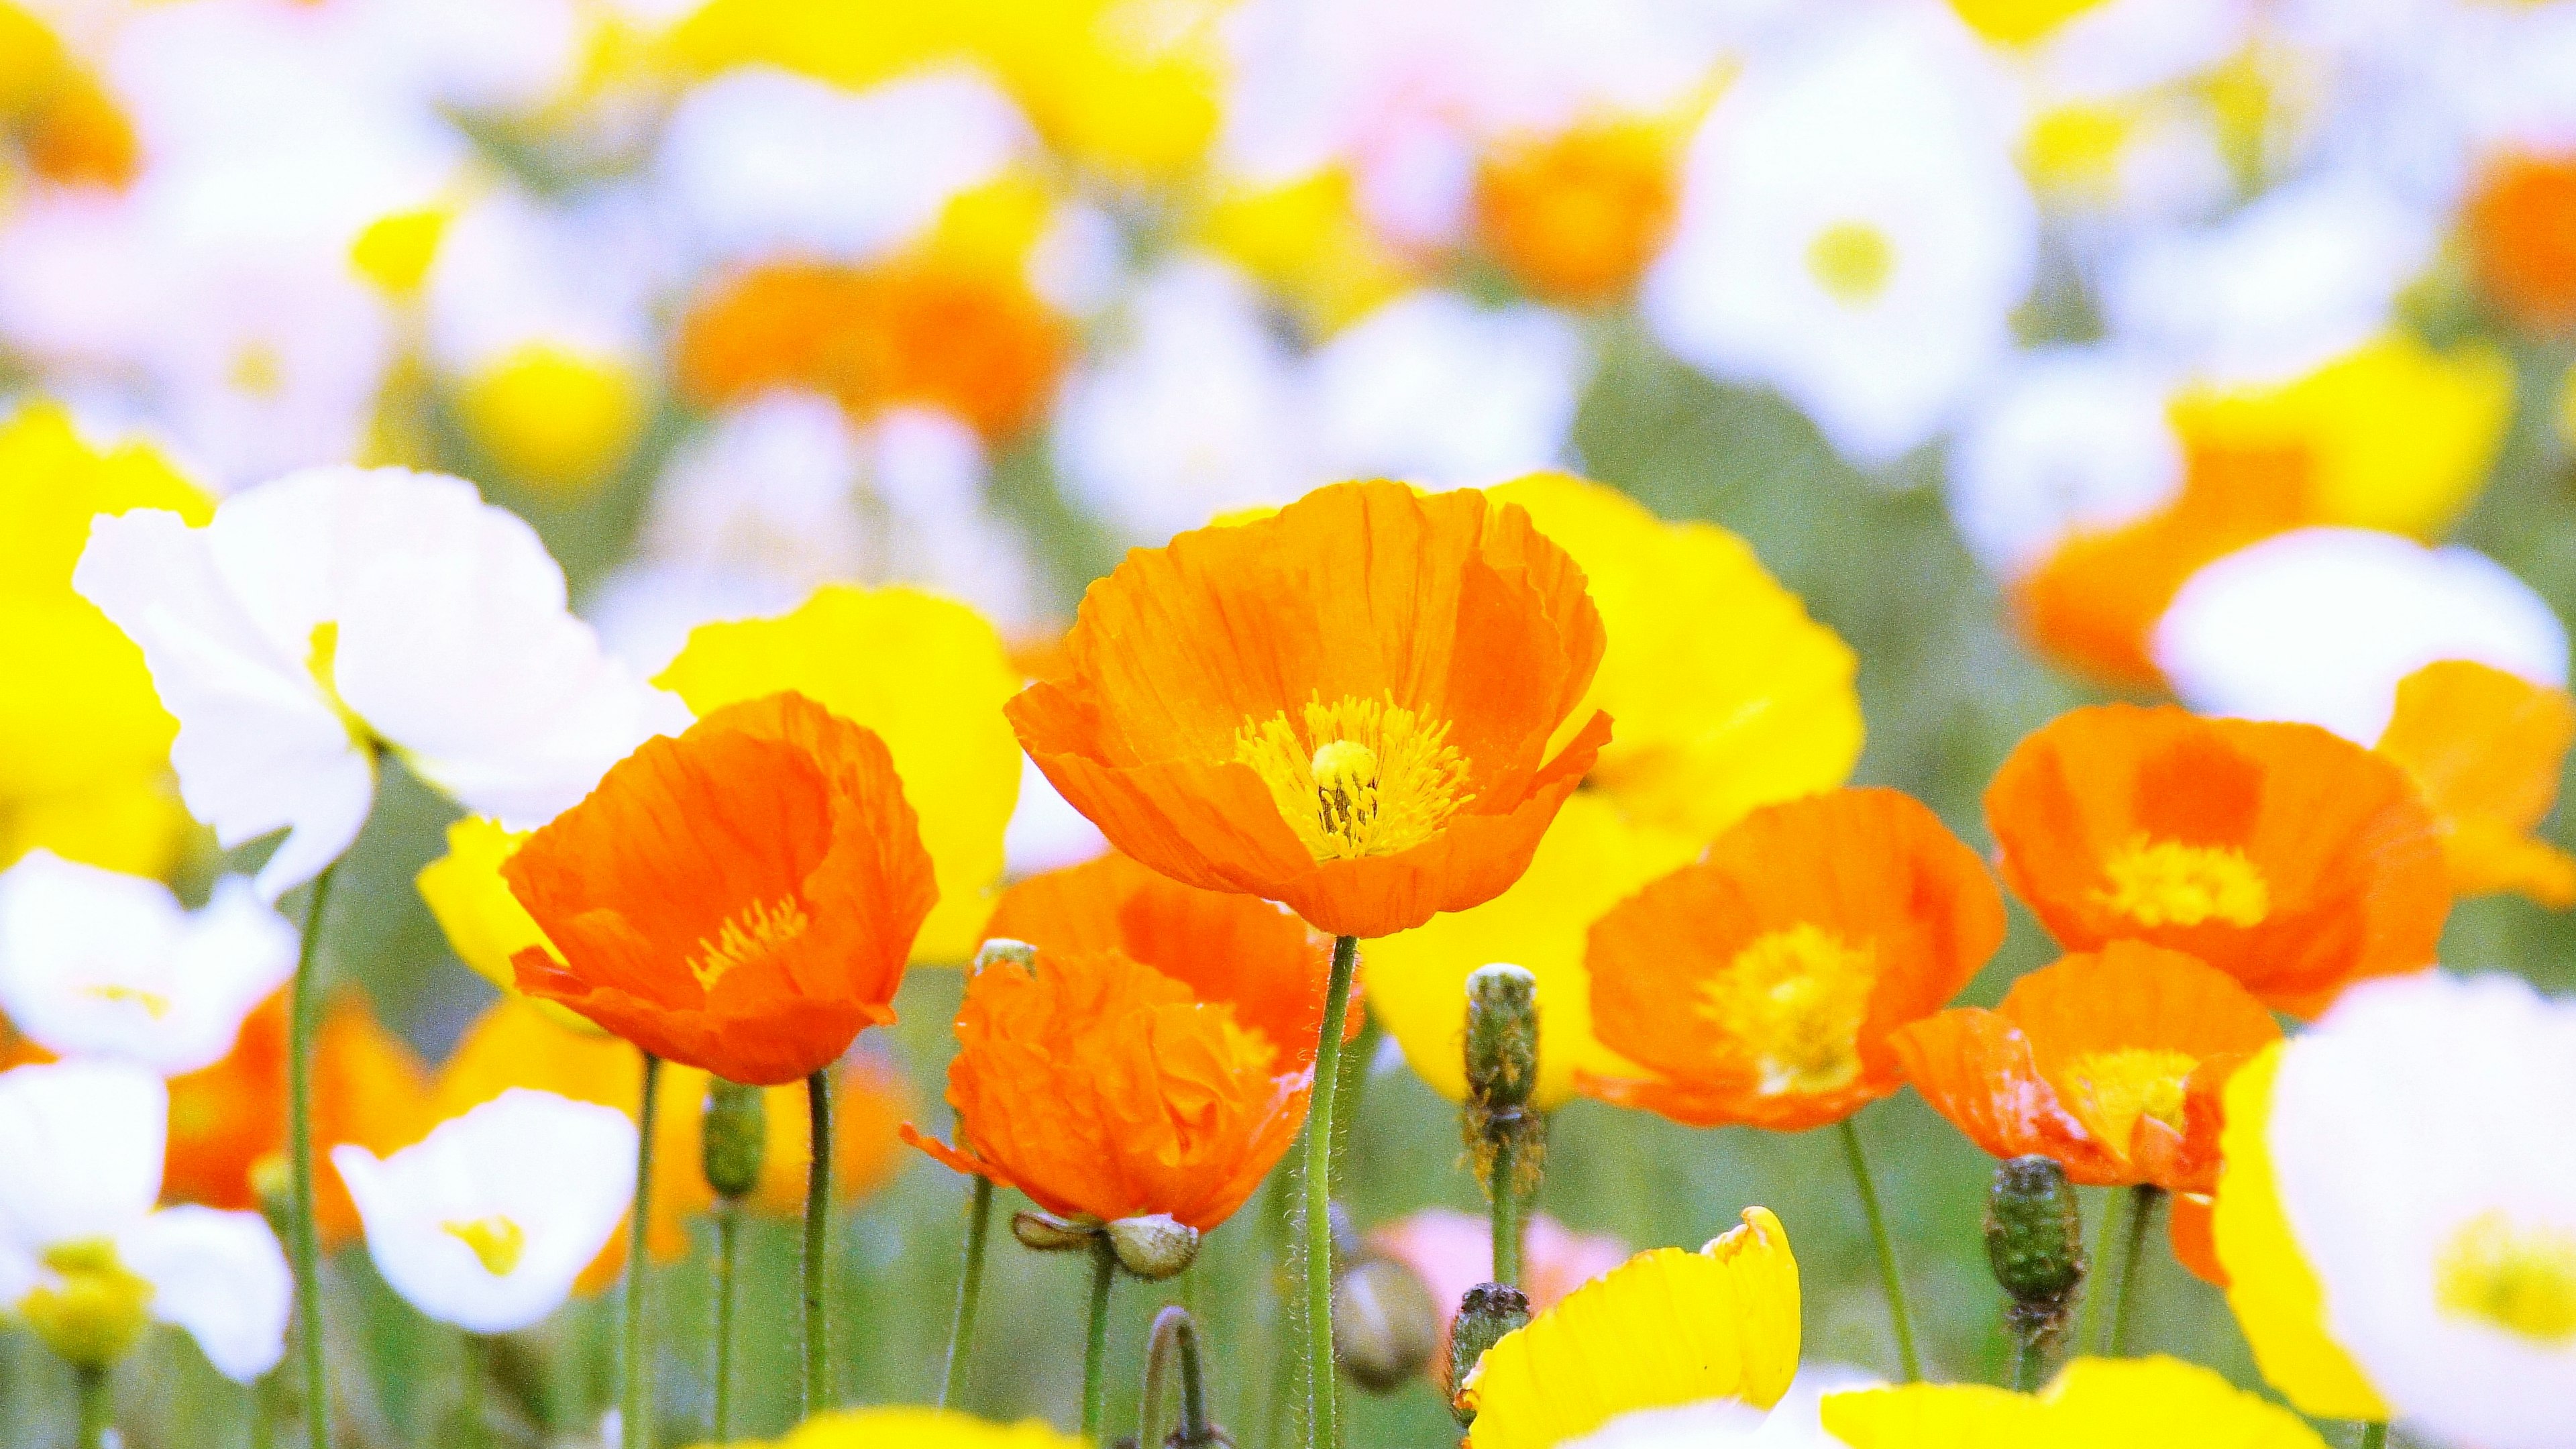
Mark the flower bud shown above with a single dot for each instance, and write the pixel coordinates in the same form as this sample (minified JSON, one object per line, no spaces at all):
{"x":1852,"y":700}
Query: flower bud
{"x":1003,"y":948}
{"x":91,"y":1308}
{"x":1154,"y":1247}
{"x":1502,"y":1036}
{"x":733,"y":1138}
{"x":2035,"y":1241}
{"x":1047,"y":1233}
{"x":1385,"y":1325}
{"x":1489,"y":1311}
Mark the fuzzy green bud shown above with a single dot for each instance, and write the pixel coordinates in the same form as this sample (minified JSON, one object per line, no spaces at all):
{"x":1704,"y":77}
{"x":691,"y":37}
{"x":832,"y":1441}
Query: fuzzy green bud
{"x":1155,"y":1247}
{"x":1041,"y":1232}
{"x":1485,"y":1315}
{"x":1502,"y":1036}
{"x":733,"y":1141}
{"x":2035,"y":1242}
{"x":1385,"y":1325}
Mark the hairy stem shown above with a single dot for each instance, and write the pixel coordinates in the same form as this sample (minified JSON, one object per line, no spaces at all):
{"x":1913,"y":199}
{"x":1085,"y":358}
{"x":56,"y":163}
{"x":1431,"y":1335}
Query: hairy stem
{"x":1890,"y":1277}
{"x":1322,"y":1428}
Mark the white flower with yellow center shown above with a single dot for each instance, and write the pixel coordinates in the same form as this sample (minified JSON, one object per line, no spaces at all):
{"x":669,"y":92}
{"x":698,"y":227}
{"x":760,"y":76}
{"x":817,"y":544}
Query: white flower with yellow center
{"x":1854,"y":232}
{"x":98,"y":964}
{"x":2421,"y":1146}
{"x":85,"y":1258}
{"x":340,"y":612}
{"x":486,"y":1222}
{"x":2072,"y":439}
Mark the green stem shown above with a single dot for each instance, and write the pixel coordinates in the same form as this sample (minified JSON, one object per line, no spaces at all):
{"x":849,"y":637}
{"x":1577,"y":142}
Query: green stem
{"x":263,"y":1412}
{"x":304,"y":1019}
{"x":818,"y":1244}
{"x":635,"y":1409}
{"x":2142,"y":1214}
{"x":1095,"y":1347}
{"x":2026,"y":1362}
{"x":728,"y":1253}
{"x":2374,"y":1435}
{"x":970,"y":1287}
{"x":1504,"y":1193}
{"x":469,"y":1393}
{"x":97,"y":1406}
{"x":1279,"y":1343}
{"x":1322,"y":1430}
{"x":1890,"y":1277}
{"x":2097,"y":1277}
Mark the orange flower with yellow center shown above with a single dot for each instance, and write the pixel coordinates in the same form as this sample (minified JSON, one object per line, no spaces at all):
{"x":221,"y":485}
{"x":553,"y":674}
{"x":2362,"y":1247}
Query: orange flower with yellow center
{"x":2285,"y":856}
{"x":1347,"y":706}
{"x":1576,"y":217}
{"x":2111,"y":1064}
{"x":1759,"y":984}
{"x":740,"y":899}
{"x":1104,"y":1089}
{"x":2522,"y":239}
{"x":1270,"y":967}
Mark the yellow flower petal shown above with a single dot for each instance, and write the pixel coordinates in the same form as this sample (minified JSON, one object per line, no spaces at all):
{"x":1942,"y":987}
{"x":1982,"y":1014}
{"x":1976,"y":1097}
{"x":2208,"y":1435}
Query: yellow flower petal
{"x":1727,"y":696}
{"x":1590,"y":859}
{"x":917,"y":1428}
{"x":929,"y":675}
{"x":2398,"y":436}
{"x":2278,"y":1299}
{"x":553,"y":418}
{"x":2144,"y":1403}
{"x":485,"y":925}
{"x":2018,"y":22}
{"x":1664,"y":1328}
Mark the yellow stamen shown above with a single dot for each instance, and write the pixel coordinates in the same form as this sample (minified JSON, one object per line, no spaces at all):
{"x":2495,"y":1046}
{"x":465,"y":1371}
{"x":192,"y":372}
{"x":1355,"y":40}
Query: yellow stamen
{"x":2519,"y":1279}
{"x":258,"y":369}
{"x":2109,"y":1091}
{"x":1795,"y":1000}
{"x":747,"y":937}
{"x":1365,"y":777}
{"x":154,"y":1004}
{"x":90,"y":1307}
{"x":1854,"y":261}
{"x":2168,"y":883}
{"x":496,"y":1242}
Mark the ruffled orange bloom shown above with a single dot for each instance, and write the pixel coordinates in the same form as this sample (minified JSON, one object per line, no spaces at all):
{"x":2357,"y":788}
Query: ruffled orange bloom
{"x":1265,"y":963}
{"x":2111,"y":1064}
{"x":2522,"y":239}
{"x":1103,"y":1088}
{"x":2287,"y":857}
{"x":1759,"y":984}
{"x":228,"y":1121}
{"x":740,"y":899}
{"x":1576,"y":217}
{"x":1346,"y":706}
{"x":2485,"y":747}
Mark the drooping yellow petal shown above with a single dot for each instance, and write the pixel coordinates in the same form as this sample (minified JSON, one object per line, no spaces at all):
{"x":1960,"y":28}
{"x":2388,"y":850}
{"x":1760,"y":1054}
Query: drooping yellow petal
{"x":929,"y":675}
{"x":1664,"y":1328}
{"x":1726,"y":695}
{"x":2485,"y":747}
{"x":2144,"y":1403}
{"x":2278,"y":1299}
{"x":485,"y":925}
{"x":918,"y":1428}
{"x":2397,"y":435}
{"x":1589,"y":860}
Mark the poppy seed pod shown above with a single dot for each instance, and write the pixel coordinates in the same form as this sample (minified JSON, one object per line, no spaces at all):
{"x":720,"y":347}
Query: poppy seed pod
{"x":2035,"y":1240}
{"x":1385,"y":1325}
{"x":1485,"y":1315}
{"x":734,"y":1141}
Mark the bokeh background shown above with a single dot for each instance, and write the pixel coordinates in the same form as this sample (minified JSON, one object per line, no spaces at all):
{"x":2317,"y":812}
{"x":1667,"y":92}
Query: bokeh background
{"x":736,"y":298}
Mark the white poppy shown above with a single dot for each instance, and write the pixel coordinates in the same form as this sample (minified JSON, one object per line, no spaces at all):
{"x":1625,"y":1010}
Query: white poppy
{"x":2424,"y":1141}
{"x":2072,"y":439}
{"x":1795,"y":1422}
{"x":1434,"y":389}
{"x":1854,"y":231}
{"x":338,"y":610}
{"x":2320,"y":624}
{"x":84,"y":1143}
{"x":486,"y":1222}
{"x":98,"y":964}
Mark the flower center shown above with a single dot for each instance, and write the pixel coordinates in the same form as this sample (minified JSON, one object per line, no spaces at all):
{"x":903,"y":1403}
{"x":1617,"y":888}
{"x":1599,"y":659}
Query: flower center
{"x":2168,"y":883}
{"x":2109,"y":1091}
{"x":89,"y":1307}
{"x":496,"y":1242}
{"x":747,"y":936}
{"x":154,"y":1004}
{"x":2519,"y":1279}
{"x":1363,"y":777}
{"x":1795,"y":1000}
{"x":1853,"y":261}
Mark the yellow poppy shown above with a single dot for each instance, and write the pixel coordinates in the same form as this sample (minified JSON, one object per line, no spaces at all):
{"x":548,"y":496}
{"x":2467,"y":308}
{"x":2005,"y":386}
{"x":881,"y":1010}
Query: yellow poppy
{"x":2143,"y":1403}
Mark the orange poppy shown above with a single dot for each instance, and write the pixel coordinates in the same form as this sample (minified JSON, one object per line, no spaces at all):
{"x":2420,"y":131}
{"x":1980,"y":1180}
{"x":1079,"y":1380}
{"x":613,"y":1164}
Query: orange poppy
{"x":1759,"y":984}
{"x":740,"y":899}
{"x":2285,"y":856}
{"x":1576,"y":217}
{"x":1102,"y":1088}
{"x":1346,"y":706}
{"x":1265,"y":963}
{"x":2522,"y":239}
{"x":228,"y":1121}
{"x":2111,"y":1064}
{"x":2485,"y":747}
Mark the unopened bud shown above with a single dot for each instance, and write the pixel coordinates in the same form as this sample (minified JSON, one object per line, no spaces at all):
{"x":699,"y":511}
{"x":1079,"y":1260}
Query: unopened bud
{"x":733,"y":1141}
{"x":1502,"y":1036}
{"x":273,"y":1187}
{"x":1047,"y":1233}
{"x":1003,"y":948}
{"x":1485,"y":1315}
{"x":1154,"y":1248}
{"x":1385,"y":1325}
{"x":2035,"y":1241}
{"x":90,"y":1308}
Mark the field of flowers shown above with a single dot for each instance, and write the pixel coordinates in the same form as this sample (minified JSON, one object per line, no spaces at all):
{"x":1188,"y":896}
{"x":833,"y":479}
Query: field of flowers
{"x":1542,"y":724}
